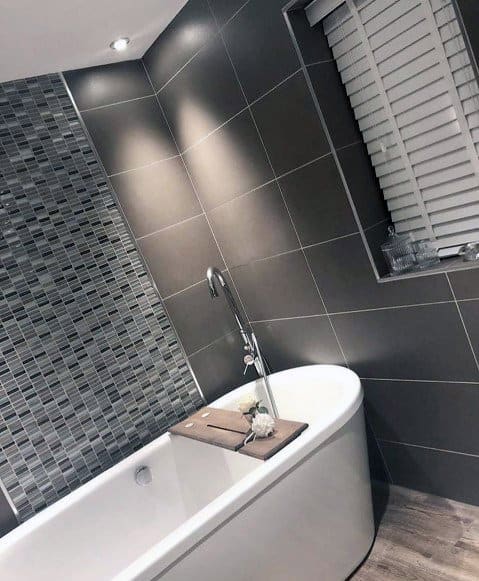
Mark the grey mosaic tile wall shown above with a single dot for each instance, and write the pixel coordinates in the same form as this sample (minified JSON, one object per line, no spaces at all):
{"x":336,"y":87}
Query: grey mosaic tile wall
{"x":90,"y":368}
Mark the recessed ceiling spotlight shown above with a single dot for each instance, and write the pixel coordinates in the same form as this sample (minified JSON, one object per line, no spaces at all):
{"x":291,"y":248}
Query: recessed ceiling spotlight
{"x":120,"y":43}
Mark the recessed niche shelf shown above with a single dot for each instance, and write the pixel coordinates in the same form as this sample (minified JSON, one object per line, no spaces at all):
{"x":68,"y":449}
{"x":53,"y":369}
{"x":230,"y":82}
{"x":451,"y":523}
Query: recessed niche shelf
{"x":453,"y":264}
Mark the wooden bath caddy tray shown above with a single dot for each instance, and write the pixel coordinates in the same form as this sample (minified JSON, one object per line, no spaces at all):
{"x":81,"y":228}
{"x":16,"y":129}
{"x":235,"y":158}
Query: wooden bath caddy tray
{"x":228,"y":429}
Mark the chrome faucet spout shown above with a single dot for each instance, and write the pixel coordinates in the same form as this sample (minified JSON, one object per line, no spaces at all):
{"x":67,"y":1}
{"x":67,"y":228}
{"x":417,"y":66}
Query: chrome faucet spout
{"x":214,"y":274}
{"x":253,"y":355}
{"x":211,"y":273}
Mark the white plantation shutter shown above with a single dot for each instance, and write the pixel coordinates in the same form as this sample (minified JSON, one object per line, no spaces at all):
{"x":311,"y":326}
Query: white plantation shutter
{"x":414,"y":93}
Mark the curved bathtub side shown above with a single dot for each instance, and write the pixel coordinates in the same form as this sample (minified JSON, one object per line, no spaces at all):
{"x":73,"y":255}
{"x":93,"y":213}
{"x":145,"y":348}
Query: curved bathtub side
{"x":316,"y":522}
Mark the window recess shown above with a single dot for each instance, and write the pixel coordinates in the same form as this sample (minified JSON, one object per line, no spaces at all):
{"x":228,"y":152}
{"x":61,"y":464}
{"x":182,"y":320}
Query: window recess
{"x":413,"y":89}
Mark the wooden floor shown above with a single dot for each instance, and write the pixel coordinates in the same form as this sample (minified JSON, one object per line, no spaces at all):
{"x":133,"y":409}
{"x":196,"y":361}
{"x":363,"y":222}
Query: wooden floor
{"x":424,"y":538}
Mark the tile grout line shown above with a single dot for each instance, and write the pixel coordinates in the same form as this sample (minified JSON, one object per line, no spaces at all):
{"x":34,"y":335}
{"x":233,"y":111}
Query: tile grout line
{"x":140,"y":167}
{"x":193,"y":185}
{"x":463,"y":322}
{"x":169,"y":227}
{"x":282,"y":194}
{"x":218,"y":29}
{"x":443,"y":450}
{"x":335,"y":313}
{"x":217,"y":340}
{"x":115,"y":102}
{"x":129,"y":230}
{"x":232,"y":17}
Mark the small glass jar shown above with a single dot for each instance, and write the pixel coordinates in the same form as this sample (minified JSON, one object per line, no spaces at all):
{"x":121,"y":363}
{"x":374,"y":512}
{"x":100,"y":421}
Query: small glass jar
{"x":426,"y":255}
{"x":399,"y":252}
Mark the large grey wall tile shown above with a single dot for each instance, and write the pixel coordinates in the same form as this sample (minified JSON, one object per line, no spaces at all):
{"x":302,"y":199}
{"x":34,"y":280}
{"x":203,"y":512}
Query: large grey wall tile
{"x":290,"y":126}
{"x":156,"y":196}
{"x":446,"y":474}
{"x":230,"y":162}
{"x":312,"y":41}
{"x":334,"y":104}
{"x":130,"y":135}
{"x":223,"y":10}
{"x":219,"y":368}
{"x":318,"y":203}
{"x":363,"y":185}
{"x":202,"y":96}
{"x":278,"y":287}
{"x":198,"y":318}
{"x":104,"y":85}
{"x":426,"y":342}
{"x":292,"y":342}
{"x":347,"y":282}
{"x":432,"y":414}
{"x":180,"y":255}
{"x":253,"y":226}
{"x":260,"y":47}
{"x":465,"y":283}
{"x":184,"y":37}
{"x":470,"y":313}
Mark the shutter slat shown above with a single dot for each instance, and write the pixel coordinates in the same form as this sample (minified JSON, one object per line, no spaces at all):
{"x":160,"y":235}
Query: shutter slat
{"x":452,"y":201}
{"x":446,"y":189}
{"x":440,"y":177}
{"x":457,"y":240}
{"x":419,"y":97}
{"x":415,"y":83}
{"x":441,"y":162}
{"x":457,"y":227}
{"x":393,"y":29}
{"x":405,"y":56}
{"x":436,"y":149}
{"x":455,"y":214}
{"x":411,"y":69}
{"x":428,"y":123}
{"x":398,"y":44}
{"x":402,"y":202}
{"x":432,"y":137}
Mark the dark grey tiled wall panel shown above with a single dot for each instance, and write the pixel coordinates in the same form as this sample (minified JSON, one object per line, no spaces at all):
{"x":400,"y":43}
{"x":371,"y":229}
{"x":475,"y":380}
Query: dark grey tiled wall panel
{"x":431,"y":414}
{"x":260,"y":48}
{"x":275,"y":207}
{"x":98,"y":86}
{"x":443,"y":473}
{"x":289,"y":125}
{"x":90,"y":367}
{"x":318,"y":203}
{"x":116,"y":131}
{"x":202,"y":96}
{"x":241,"y":162}
{"x":423,"y":342}
{"x":156,"y":196}
{"x":181,"y":40}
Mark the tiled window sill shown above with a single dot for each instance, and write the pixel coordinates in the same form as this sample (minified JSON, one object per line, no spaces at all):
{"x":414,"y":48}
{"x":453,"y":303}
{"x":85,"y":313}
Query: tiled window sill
{"x":447,"y":265}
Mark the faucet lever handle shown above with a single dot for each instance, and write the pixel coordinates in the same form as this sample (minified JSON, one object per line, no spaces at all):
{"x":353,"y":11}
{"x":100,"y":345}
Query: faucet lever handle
{"x":248,"y":361}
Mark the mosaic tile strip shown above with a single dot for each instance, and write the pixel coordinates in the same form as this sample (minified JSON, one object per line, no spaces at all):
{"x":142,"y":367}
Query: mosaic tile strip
{"x":90,"y":368}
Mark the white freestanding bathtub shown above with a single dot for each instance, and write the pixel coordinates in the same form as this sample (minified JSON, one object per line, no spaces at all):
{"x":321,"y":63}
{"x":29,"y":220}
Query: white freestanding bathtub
{"x":214,"y":515}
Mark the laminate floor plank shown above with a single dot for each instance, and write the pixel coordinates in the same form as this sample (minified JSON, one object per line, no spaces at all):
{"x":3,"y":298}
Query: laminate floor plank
{"x":422,"y":537}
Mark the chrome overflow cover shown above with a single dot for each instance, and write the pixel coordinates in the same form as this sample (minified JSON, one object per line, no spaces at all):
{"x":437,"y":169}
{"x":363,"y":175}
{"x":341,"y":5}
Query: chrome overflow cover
{"x":143,"y":476}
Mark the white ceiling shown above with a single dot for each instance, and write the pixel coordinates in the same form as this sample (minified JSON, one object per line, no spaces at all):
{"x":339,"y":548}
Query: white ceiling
{"x":45,"y":36}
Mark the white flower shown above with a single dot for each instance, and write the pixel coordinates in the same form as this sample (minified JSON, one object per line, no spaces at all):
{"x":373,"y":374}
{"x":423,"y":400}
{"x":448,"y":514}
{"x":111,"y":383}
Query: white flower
{"x":246,"y":403}
{"x":263,"y":425}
